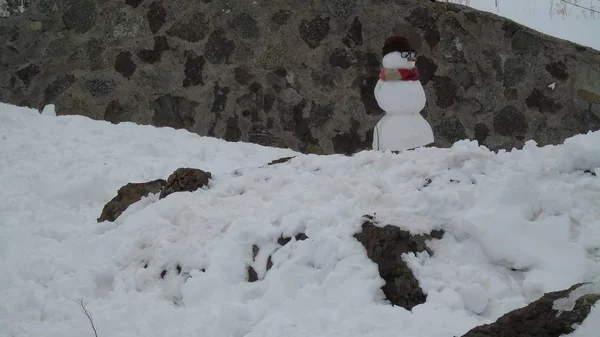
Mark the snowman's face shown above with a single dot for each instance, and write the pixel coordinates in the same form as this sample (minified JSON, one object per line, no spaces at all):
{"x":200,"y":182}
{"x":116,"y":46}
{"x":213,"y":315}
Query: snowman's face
{"x":399,"y":60}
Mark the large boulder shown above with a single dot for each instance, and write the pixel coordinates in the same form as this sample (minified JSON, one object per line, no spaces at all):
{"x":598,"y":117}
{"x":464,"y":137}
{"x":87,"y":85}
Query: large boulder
{"x":185,"y":180}
{"x":297,"y":74}
{"x":128,"y":195}
{"x":385,"y":246}
{"x":554,"y":315}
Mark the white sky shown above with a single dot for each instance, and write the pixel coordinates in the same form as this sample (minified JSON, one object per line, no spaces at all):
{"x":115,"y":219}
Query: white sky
{"x":576,"y":26}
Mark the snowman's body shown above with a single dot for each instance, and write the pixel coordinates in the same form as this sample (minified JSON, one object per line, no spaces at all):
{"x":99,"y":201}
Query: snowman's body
{"x":402,"y":127}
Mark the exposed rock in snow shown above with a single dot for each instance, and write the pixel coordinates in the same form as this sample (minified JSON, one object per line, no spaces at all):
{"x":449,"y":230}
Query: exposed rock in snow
{"x":185,"y":179}
{"x":385,"y":246}
{"x":541,"y":318}
{"x":128,"y":195}
{"x":280,"y":160}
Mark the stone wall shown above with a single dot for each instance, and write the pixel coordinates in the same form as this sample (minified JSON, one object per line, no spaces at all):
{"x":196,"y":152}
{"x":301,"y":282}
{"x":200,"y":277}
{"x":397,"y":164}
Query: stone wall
{"x":293,"y":73}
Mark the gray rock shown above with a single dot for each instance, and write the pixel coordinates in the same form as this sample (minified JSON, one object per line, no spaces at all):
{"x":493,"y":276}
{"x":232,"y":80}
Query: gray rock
{"x":340,"y":58}
{"x":510,"y":121}
{"x":49,"y":7}
{"x":28,"y":73}
{"x":537,"y":100}
{"x":259,"y":134}
{"x":114,"y":112}
{"x":242,"y":75}
{"x":451,"y":130}
{"x":445,"y":90}
{"x":321,"y":114}
{"x":174,"y":111}
{"x":218,"y":48}
{"x":220,"y":98}
{"x":123,"y":24}
{"x":57,"y":87}
{"x":487,"y":100}
{"x":133,"y":3}
{"x":342,"y":8}
{"x":281,"y":17}
{"x":124,"y":65}
{"x":100,"y":87}
{"x":427,"y":68}
{"x":290,"y":97}
{"x":514,"y":72}
{"x":193,"y":30}
{"x":161,"y":44}
{"x":275,"y":55}
{"x":232,"y":131}
{"x":263,"y":72}
{"x":245,"y":25}
{"x":156,"y":16}
{"x":11,"y":8}
{"x":81,"y":15}
{"x":526,"y":42}
{"x":149,"y":56}
{"x":95,"y":54}
{"x":193,"y":69}
{"x":354,"y":35}
{"x":558,"y":70}
{"x":511,"y":94}
{"x":314,"y":31}
{"x":481,"y":133}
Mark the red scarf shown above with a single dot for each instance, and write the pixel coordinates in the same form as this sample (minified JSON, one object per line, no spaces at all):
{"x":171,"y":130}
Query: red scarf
{"x":399,"y":74}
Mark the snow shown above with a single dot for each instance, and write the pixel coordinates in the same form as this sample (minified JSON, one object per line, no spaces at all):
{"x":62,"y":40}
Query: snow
{"x":517,"y":224}
{"x":49,"y":110}
{"x":576,"y":25}
{"x":590,"y":326}
{"x":567,"y":304}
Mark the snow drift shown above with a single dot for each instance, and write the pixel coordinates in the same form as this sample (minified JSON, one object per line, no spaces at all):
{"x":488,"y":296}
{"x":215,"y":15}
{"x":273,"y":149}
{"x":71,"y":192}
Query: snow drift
{"x":518,"y":224}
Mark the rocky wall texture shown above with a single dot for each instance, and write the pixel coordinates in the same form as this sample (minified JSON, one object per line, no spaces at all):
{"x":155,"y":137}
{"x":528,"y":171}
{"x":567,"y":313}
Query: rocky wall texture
{"x":293,"y":73}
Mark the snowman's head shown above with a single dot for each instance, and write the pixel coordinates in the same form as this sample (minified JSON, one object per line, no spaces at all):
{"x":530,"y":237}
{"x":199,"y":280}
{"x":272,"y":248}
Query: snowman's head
{"x":399,"y":60}
{"x":398,"y":53}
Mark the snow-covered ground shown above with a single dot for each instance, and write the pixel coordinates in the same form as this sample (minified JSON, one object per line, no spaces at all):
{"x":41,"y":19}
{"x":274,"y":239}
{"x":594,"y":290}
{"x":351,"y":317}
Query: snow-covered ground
{"x":536,"y":211}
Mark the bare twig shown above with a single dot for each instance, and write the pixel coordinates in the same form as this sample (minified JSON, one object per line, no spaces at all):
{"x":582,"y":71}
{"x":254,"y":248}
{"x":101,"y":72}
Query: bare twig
{"x":559,"y":8}
{"x":88,"y":314}
{"x":591,"y":9}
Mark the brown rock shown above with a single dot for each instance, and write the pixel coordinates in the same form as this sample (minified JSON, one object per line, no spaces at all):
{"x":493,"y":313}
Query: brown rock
{"x":385,"y":246}
{"x":127,"y":195}
{"x":589,"y":96}
{"x":185,"y":180}
{"x":539,"y":319}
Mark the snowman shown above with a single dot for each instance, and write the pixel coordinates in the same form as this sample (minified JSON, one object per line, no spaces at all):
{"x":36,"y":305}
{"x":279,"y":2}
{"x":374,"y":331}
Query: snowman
{"x":400,"y":94}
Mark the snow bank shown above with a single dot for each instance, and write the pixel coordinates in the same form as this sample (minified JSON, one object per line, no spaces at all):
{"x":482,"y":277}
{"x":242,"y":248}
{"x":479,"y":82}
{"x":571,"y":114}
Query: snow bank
{"x":518,"y":224}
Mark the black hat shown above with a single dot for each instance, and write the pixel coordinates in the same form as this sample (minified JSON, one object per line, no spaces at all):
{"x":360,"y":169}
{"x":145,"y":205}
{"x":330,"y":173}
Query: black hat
{"x":396,"y":43}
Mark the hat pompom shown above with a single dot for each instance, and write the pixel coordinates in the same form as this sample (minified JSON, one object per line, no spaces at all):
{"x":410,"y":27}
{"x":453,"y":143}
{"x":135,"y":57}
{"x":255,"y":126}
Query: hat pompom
{"x":396,"y":43}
